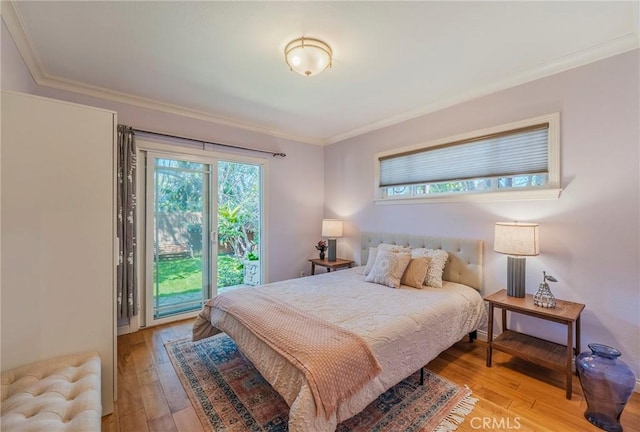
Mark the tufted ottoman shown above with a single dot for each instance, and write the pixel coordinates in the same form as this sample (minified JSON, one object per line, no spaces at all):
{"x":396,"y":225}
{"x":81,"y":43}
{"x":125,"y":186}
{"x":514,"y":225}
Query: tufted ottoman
{"x":58,"y":394}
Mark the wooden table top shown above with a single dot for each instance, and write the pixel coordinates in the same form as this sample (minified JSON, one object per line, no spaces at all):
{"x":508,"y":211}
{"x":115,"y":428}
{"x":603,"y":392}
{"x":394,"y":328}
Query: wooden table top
{"x":564,"y":310}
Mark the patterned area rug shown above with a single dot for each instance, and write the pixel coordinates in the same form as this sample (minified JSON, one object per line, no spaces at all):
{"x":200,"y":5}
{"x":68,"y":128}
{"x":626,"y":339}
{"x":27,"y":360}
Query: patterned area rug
{"x":229,"y":394}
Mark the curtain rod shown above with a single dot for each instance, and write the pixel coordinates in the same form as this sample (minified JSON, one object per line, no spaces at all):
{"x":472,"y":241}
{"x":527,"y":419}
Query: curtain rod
{"x":274,"y":154}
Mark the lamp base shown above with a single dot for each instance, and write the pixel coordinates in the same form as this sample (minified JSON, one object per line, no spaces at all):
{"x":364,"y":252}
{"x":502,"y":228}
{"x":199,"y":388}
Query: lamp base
{"x":332,"y":250}
{"x":516,"y":269}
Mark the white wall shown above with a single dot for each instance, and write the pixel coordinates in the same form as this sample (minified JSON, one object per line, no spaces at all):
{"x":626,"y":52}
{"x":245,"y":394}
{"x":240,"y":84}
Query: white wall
{"x":295,"y":186}
{"x":589,"y":237}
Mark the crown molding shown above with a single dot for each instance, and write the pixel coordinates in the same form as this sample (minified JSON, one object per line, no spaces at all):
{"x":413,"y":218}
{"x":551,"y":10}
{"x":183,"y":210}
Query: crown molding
{"x":595,"y":53}
{"x":125,"y":98}
{"x":15,"y":25}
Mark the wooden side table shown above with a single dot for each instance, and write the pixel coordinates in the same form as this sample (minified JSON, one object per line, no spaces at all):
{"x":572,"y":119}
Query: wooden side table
{"x":330,"y":265}
{"x":533,"y":349}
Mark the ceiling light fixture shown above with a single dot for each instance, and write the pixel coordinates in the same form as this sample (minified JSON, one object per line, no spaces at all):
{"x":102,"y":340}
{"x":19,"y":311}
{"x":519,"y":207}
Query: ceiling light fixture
{"x":308,"y":56}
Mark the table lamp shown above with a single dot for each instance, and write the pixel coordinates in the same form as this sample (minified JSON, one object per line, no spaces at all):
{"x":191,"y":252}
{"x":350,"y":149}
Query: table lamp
{"x":332,"y":228}
{"x":518,"y":240}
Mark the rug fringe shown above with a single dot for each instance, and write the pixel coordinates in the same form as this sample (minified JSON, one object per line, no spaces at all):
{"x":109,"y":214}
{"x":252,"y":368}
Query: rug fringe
{"x":457,"y":414}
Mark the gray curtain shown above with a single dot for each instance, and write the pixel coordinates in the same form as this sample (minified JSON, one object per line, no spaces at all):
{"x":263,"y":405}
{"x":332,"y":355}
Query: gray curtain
{"x":127,"y":297}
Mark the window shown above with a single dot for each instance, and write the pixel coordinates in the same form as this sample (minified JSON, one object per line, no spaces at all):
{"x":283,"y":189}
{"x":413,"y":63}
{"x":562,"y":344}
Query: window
{"x":514,"y":161}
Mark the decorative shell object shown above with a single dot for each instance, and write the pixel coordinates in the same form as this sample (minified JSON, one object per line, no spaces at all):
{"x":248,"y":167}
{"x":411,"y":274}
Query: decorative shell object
{"x":544,"y":297}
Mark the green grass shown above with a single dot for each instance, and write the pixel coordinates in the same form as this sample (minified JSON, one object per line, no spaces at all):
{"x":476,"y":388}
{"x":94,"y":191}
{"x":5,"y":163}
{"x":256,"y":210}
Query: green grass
{"x":184,"y":275}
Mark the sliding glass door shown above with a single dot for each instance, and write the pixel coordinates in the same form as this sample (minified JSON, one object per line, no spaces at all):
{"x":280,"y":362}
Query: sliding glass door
{"x":178,"y":235}
{"x":203,"y":224}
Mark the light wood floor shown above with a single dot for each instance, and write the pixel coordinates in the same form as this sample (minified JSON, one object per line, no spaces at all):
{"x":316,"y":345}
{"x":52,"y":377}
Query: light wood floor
{"x":513,"y":395}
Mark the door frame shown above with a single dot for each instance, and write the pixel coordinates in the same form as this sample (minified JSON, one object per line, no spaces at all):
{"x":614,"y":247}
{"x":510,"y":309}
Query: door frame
{"x":203,"y":156}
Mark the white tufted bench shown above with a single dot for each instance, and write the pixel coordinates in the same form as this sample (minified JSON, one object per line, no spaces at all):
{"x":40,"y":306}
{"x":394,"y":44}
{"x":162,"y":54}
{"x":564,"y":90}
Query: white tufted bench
{"x":58,"y":394}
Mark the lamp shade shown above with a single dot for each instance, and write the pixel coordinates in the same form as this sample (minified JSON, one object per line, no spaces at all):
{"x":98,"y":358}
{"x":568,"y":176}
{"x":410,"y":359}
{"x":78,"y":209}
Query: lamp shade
{"x":331,"y":228}
{"x":514,"y":238}
{"x":308,"y":56}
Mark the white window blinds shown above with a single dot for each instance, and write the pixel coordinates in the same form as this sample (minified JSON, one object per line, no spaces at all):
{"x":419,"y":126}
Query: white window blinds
{"x":514,"y":152}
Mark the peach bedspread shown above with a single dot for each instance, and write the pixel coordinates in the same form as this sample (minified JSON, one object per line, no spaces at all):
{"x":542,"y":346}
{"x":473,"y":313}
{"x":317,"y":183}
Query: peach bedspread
{"x":335,"y":362}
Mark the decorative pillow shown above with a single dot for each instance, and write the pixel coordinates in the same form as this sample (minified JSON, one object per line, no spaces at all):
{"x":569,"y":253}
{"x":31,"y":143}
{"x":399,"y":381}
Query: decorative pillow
{"x":416,"y":272}
{"x":388,"y":268}
{"x":436,"y":266}
{"x":394,"y":248}
{"x":373,"y":252}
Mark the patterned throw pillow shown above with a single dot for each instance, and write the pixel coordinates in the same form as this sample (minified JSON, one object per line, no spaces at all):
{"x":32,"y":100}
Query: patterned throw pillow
{"x":388,"y":268}
{"x":373,"y":252}
{"x":436,"y":266}
{"x":416,"y":272}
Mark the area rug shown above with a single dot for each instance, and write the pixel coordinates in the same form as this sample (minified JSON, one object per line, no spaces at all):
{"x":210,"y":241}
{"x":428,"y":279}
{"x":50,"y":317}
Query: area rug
{"x":230,"y":395}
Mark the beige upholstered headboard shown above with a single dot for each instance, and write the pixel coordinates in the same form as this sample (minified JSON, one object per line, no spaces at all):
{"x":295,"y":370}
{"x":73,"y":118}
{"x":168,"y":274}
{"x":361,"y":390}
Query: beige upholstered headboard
{"x":465,"y":255}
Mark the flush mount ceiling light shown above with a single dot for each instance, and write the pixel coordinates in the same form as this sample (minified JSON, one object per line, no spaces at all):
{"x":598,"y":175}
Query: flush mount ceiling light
{"x":308,"y":56}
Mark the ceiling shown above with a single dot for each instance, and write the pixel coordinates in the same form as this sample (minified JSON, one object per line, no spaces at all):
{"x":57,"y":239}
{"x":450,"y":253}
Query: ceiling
{"x":223,"y":61}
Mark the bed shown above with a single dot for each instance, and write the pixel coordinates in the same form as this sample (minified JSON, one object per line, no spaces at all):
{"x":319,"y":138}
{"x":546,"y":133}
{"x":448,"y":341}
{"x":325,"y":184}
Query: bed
{"x":404,"y":328}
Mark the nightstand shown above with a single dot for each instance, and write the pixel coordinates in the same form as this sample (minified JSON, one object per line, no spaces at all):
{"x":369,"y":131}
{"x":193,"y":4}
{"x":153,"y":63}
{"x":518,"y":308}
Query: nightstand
{"x":533,"y":349}
{"x":330,"y":265}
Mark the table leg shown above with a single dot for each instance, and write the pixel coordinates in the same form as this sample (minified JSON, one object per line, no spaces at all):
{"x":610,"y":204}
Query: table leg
{"x":489,"y":334}
{"x":313,"y":268}
{"x":577,"y":351}
{"x":504,"y":320}
{"x":569,"y":373}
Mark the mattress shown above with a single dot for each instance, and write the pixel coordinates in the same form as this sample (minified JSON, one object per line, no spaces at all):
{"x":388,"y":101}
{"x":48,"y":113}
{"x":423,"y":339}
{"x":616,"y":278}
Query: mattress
{"x":405,"y":328}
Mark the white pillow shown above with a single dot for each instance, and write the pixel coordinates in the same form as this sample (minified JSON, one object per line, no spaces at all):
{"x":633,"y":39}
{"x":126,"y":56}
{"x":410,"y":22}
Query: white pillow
{"x":436,"y":266}
{"x":373,"y":252}
{"x":416,"y":272}
{"x":388,"y":268}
